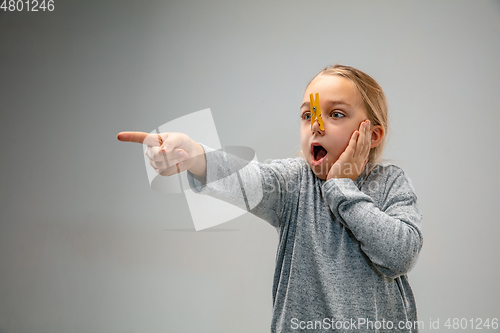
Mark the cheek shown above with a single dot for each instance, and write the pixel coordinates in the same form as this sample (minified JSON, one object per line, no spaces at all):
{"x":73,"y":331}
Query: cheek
{"x":340,"y":140}
{"x":304,"y":139}
{"x":344,"y":139}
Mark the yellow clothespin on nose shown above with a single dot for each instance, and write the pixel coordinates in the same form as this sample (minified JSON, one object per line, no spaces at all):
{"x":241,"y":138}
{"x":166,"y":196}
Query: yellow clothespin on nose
{"x":316,"y":112}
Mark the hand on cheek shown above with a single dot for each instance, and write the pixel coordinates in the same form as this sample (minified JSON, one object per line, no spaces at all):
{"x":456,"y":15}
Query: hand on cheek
{"x":352,"y":161}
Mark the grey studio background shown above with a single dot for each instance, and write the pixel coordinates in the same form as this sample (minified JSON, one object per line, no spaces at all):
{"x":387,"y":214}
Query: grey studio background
{"x":87,"y":246}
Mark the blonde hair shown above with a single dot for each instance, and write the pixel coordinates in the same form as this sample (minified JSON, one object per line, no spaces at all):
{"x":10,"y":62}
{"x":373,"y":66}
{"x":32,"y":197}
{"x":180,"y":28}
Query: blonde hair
{"x":373,"y":98}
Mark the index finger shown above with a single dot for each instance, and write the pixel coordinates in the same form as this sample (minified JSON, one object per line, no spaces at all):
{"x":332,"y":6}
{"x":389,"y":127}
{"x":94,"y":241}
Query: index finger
{"x":139,"y":137}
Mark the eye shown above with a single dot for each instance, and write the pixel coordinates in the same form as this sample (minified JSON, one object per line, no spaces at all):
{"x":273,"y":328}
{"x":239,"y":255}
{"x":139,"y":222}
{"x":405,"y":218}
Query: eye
{"x":306,"y":116}
{"x":336,"y":114}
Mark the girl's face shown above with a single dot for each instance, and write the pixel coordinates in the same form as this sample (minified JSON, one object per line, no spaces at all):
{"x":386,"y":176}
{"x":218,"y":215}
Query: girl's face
{"x":342,"y":111}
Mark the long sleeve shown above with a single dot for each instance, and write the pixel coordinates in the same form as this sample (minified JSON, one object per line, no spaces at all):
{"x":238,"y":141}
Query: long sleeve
{"x":389,"y":228}
{"x":259,"y":188}
{"x":344,"y":247}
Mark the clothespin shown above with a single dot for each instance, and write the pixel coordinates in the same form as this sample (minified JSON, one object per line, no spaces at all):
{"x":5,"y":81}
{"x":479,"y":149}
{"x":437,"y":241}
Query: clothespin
{"x":316,"y":112}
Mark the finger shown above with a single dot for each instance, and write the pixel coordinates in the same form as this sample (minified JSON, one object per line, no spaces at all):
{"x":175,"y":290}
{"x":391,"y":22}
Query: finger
{"x":178,"y":168}
{"x":175,"y":156}
{"x":368,"y":141}
{"x":158,"y":171}
{"x":171,"y":142}
{"x":161,"y":138}
{"x":139,"y":137}
{"x":164,"y":161}
{"x":364,"y":164}
{"x":364,"y":140}
{"x":160,"y":164}
{"x":351,"y":147}
{"x":163,"y":169}
{"x":132,"y":136}
{"x":361,"y":140}
{"x":158,"y":154}
{"x":154,"y":154}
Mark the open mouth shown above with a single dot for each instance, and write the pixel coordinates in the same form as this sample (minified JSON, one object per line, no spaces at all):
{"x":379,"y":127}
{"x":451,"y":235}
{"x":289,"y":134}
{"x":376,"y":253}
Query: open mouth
{"x":318,"y":154}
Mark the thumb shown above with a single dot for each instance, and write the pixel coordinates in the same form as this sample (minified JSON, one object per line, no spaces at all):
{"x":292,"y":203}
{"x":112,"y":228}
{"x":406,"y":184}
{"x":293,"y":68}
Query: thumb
{"x":139,"y":137}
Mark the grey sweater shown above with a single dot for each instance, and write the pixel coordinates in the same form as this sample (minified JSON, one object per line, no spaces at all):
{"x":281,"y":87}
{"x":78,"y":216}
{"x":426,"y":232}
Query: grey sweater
{"x":344,"y":246}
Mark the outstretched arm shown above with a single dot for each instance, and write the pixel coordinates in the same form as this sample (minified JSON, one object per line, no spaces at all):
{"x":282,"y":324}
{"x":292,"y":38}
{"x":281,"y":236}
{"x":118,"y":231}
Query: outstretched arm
{"x":258,"y":188}
{"x":255,"y":187}
{"x":170,"y":153}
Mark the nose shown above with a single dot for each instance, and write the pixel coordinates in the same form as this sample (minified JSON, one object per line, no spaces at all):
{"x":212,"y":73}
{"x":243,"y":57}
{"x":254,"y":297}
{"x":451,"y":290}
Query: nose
{"x":316,"y":129}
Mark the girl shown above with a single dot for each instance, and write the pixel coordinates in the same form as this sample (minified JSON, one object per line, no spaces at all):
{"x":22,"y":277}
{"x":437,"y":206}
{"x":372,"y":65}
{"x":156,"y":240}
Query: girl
{"x":349,"y":228}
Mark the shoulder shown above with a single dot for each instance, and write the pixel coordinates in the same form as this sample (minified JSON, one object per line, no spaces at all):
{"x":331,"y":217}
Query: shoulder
{"x":387,"y":181}
{"x":388,"y":173}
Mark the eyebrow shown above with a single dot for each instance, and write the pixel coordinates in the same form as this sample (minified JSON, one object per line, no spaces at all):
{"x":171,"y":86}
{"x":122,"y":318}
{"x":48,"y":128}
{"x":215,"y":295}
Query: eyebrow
{"x":329,"y":103}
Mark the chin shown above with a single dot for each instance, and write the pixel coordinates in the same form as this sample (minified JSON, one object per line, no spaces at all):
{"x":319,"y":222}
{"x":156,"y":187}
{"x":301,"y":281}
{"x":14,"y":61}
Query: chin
{"x":321,"y":171}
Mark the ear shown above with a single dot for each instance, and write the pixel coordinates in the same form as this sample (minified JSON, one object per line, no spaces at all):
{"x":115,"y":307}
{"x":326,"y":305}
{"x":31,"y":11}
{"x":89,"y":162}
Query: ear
{"x":377,"y":136}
